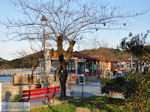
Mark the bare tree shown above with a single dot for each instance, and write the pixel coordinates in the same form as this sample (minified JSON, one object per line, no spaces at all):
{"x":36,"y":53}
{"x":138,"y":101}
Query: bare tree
{"x":68,"y":20}
{"x":104,"y":44}
{"x":95,"y":43}
{"x":30,"y":61}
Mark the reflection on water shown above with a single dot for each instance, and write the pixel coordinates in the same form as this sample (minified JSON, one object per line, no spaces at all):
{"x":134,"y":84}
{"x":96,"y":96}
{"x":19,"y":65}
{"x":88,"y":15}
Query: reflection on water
{"x":6,"y":79}
{"x":9,"y":78}
{"x":19,"y":71}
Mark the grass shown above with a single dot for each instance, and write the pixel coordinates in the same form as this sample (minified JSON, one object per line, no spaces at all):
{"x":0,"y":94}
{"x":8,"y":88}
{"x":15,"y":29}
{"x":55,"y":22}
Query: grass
{"x":64,"y":107}
{"x":94,"y":103}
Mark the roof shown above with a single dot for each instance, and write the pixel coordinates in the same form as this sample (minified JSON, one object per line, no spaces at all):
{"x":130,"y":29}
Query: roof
{"x":91,"y":58}
{"x":77,"y":54}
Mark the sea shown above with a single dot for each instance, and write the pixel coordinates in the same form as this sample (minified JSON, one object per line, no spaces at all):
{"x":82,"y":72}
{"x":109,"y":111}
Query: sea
{"x":10,"y":78}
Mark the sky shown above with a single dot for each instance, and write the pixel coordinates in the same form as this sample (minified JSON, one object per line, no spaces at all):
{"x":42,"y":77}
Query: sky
{"x":140,"y":24}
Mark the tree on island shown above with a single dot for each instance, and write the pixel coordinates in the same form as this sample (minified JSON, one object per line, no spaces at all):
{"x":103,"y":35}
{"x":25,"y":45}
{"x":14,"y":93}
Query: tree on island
{"x":67,"y":22}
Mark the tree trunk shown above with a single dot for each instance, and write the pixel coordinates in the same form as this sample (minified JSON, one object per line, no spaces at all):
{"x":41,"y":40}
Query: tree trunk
{"x":141,"y":108}
{"x":63,"y":79}
{"x":63,"y":73}
{"x":141,"y":94}
{"x":63,"y":88}
{"x":62,"y":70}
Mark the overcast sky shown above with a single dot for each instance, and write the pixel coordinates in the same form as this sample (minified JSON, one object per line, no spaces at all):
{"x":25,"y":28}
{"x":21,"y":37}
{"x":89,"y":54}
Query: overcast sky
{"x":138,"y":25}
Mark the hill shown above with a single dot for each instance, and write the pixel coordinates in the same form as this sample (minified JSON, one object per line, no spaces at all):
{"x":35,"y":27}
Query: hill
{"x":33,"y":59}
{"x":108,"y":53}
{"x":28,"y":61}
{"x":1,"y":59}
{"x":3,"y":63}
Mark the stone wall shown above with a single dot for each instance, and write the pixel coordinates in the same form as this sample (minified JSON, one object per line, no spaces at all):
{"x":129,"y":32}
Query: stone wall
{"x":26,"y":79}
{"x":9,"y":90}
{"x":52,"y":79}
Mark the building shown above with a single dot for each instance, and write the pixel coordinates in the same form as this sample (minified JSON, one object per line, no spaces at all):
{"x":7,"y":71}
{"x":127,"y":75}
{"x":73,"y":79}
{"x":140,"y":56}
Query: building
{"x":83,"y":64}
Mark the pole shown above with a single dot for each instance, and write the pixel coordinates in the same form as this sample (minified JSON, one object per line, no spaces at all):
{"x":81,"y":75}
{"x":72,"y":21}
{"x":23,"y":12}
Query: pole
{"x":44,"y":59}
{"x":82,"y":91}
{"x":44,"y":20}
{"x":76,"y":70}
{"x":44,"y":47}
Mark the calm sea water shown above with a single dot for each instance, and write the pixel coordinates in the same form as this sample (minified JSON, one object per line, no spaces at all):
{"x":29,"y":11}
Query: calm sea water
{"x":6,"y":79}
{"x":18,"y":70}
{"x":10,"y":78}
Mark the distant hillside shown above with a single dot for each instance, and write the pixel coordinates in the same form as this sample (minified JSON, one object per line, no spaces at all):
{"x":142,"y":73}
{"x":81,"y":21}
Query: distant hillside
{"x":1,"y":59}
{"x":24,"y":62}
{"x":28,"y":61}
{"x":3,"y":63}
{"x":109,"y":53}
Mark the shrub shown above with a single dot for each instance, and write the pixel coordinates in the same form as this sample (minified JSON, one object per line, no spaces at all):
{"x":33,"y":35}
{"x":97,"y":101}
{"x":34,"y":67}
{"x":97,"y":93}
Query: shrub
{"x":134,"y":86}
{"x":113,"y":85}
{"x":137,"y":92}
{"x":17,"y":98}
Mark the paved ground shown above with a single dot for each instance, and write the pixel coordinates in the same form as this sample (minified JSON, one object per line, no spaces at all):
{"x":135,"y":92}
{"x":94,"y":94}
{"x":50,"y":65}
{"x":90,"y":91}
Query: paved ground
{"x":90,"y":89}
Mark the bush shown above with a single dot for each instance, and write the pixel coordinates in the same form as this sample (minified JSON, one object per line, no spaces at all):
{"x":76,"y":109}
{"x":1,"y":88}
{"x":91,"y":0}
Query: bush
{"x":113,"y":85}
{"x":17,"y":98}
{"x":137,"y":92}
{"x":134,"y":86}
{"x":106,"y":85}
